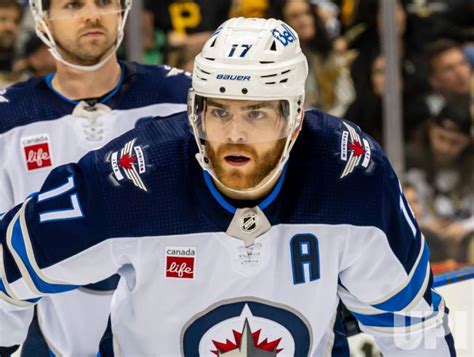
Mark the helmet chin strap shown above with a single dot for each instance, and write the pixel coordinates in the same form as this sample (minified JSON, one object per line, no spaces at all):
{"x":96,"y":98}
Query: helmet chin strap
{"x":57,"y":56}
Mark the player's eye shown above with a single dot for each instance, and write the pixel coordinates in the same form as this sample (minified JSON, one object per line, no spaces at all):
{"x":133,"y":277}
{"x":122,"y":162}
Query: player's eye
{"x":103,"y":3}
{"x":219,"y":113}
{"x":73,"y":5}
{"x":256,"y":115}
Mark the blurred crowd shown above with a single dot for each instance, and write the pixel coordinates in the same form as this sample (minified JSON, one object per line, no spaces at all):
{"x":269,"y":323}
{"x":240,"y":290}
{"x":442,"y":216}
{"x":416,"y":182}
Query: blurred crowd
{"x":341,"y":39}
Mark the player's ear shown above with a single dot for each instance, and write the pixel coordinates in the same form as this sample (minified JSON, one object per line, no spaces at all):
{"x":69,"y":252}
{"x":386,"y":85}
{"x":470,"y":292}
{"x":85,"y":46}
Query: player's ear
{"x":297,"y":131}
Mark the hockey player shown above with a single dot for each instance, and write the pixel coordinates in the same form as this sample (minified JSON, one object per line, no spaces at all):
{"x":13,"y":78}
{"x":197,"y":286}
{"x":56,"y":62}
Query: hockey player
{"x":247,"y":250}
{"x":47,"y":122}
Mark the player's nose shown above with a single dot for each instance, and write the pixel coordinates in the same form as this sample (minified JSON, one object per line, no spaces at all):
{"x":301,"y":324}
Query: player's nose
{"x":91,"y":12}
{"x":236,"y":131}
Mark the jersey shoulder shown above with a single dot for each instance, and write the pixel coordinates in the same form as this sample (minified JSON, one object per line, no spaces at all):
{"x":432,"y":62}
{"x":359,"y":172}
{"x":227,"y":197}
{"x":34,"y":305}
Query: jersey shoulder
{"x":158,"y":135}
{"x":161,"y":84}
{"x":344,"y":178}
{"x":343,"y":167}
{"x":353,"y":150}
{"x":126,"y":189}
{"x":27,"y":102}
{"x":136,"y":164}
{"x":147,"y":173}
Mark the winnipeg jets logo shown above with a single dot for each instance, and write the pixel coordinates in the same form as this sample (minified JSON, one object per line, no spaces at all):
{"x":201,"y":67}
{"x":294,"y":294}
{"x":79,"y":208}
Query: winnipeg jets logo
{"x":353,"y":150}
{"x":128,"y":163}
{"x":251,"y":327}
{"x":246,"y":343}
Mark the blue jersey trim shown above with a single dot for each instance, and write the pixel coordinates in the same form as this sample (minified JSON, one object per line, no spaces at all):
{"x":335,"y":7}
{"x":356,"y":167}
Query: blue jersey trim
{"x":436,"y":300}
{"x":49,"y":79}
{"x":19,"y":246}
{"x":274,"y":194}
{"x":395,"y":320}
{"x":217,"y":195}
{"x":3,"y":289}
{"x":385,"y":320}
{"x":34,"y":301}
{"x":231,"y":209}
{"x":404,"y":297}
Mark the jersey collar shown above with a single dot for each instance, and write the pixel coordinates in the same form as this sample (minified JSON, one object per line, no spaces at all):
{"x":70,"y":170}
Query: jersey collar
{"x":49,"y":78}
{"x":267,"y":201}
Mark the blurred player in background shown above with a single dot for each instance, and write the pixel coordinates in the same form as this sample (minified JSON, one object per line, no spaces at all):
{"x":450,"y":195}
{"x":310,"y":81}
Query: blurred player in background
{"x":11,"y":14}
{"x":90,"y":99}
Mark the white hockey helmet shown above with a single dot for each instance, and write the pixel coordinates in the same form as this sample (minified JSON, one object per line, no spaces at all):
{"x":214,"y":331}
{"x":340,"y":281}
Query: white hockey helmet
{"x":39,"y":12}
{"x":250,"y":59}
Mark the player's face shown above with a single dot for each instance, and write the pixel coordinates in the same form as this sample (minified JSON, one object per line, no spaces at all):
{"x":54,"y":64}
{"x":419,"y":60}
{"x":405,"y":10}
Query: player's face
{"x":85,"y":31}
{"x":245,"y":140}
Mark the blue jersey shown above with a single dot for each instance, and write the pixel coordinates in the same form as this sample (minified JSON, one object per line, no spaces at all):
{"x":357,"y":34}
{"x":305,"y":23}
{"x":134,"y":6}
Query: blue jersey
{"x":40,"y":129}
{"x":338,"y":227}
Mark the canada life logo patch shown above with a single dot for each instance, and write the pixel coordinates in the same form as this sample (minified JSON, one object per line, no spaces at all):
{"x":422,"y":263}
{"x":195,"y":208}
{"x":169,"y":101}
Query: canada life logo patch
{"x":180,"y":262}
{"x":37,"y":152}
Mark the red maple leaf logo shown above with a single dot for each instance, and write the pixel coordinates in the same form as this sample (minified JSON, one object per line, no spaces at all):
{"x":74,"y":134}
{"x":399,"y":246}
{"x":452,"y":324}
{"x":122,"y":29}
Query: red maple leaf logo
{"x":126,"y":161}
{"x":356,"y":148}
{"x":265,"y":345}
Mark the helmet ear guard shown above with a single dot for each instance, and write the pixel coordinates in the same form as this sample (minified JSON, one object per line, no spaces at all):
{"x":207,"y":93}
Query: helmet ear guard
{"x":38,"y":10}
{"x":252,"y":60}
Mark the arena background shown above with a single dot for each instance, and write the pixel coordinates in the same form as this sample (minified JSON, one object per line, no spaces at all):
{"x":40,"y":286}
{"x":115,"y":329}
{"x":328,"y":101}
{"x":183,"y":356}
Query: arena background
{"x":171,"y":32}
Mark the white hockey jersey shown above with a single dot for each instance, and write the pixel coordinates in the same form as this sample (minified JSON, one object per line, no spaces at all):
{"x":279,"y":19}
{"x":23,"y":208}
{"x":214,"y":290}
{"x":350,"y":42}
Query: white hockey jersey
{"x":203,"y":277}
{"x":40,"y":130}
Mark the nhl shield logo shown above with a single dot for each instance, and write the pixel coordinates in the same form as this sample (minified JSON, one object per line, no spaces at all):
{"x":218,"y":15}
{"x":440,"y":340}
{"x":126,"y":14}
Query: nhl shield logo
{"x":354,"y":150}
{"x":128,"y":164}
{"x":249,"y":222}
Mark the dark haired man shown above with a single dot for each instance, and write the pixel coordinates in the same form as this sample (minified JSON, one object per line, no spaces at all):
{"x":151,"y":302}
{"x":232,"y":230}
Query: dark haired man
{"x":90,"y":99}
